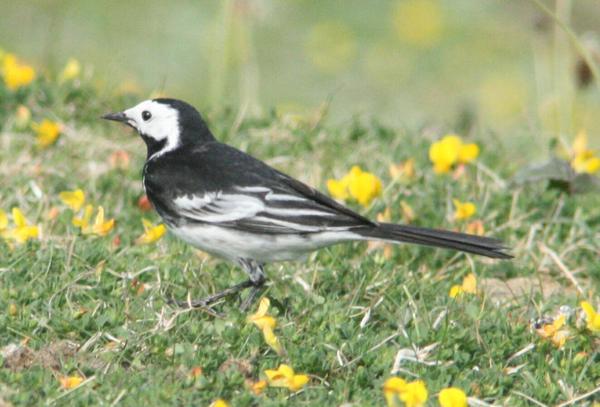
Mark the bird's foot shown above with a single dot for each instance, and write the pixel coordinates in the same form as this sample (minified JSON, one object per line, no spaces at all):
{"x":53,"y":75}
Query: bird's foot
{"x":257,"y":287}
{"x":252,"y":296}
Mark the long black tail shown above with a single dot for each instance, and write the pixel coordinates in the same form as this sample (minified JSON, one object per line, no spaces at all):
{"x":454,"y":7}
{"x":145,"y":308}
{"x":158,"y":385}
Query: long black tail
{"x":483,"y":246}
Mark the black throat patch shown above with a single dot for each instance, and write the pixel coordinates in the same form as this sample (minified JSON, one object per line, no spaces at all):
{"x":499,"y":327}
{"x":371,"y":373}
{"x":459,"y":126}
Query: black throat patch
{"x":153,"y":146}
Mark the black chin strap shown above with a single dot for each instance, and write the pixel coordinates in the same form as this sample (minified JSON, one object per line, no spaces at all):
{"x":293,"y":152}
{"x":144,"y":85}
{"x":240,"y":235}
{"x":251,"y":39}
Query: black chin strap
{"x":153,"y":145}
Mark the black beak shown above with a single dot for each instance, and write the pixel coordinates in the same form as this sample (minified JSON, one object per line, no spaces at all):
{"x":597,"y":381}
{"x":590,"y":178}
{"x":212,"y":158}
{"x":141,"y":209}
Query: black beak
{"x":117,"y":117}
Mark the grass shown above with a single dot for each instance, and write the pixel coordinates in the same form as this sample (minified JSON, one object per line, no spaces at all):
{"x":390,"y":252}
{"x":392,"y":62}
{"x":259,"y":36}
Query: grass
{"x":343,"y":314}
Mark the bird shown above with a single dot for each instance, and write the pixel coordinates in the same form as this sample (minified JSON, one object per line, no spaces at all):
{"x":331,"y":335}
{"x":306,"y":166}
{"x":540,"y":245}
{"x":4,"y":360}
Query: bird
{"x":229,"y":204}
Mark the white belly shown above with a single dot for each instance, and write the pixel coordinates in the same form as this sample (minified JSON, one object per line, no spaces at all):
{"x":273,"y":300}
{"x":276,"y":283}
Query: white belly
{"x":233,"y":244}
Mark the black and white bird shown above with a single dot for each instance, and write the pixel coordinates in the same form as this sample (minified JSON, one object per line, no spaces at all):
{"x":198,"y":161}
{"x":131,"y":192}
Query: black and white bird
{"x":227,"y":203}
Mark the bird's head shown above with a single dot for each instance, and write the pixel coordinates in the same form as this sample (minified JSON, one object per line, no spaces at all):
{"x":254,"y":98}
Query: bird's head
{"x":164,"y":124}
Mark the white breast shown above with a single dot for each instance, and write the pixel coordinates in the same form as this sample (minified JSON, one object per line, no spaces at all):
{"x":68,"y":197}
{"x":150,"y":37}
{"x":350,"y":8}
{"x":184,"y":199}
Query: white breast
{"x":232,"y":244}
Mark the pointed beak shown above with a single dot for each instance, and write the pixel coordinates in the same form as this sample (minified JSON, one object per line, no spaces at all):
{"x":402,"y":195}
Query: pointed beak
{"x":117,"y":117}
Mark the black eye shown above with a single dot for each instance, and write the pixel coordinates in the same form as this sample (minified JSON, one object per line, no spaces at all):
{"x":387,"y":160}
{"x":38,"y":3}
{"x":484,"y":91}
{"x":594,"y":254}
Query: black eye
{"x":146,"y":115}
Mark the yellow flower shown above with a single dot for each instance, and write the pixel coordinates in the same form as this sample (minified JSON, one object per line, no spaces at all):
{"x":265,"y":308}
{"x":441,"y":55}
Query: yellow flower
{"x":591,"y":316}
{"x":452,"y":397}
{"x":22,"y":117}
{"x":475,"y":228}
{"x":404,"y":171}
{"x":418,"y":22}
{"x":408,"y":214}
{"x":219,"y":403}
{"x":412,"y":394}
{"x":70,"y":382}
{"x":47,"y":132}
{"x":71,"y":70}
{"x":468,"y":153}
{"x":100,"y":226}
{"x":463,"y":210}
{"x":266,"y":323}
{"x":584,"y":160}
{"x":151,"y":233}
{"x":469,"y":285}
{"x":338,"y":189}
{"x":554,"y":332}
{"x":360,"y":185}
{"x":392,"y":389}
{"x":260,"y":318}
{"x":451,"y":150}
{"x":15,"y":73}
{"x":258,"y":387}
{"x":73,"y":199}
{"x":365,"y":187}
{"x":23,"y":231}
{"x":285,"y":376}
{"x":331,"y":46}
{"x":3,"y":220}
{"x":84,"y":221}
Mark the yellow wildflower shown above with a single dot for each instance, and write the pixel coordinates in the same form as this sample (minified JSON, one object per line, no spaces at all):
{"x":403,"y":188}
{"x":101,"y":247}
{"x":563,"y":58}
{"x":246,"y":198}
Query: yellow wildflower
{"x":258,"y":387}
{"x":266,"y":323}
{"x":469,"y":286}
{"x":260,"y":318}
{"x":22,"y":117}
{"x":583,"y":159}
{"x":554,"y":332}
{"x":365,"y":187}
{"x":452,"y":397}
{"x":16,"y":74}
{"x":84,"y":221}
{"x":408,"y":214}
{"x":47,"y":132}
{"x":392,"y":389}
{"x":22,"y":231}
{"x":404,"y":171}
{"x":340,"y":189}
{"x":196,"y":371}
{"x":100,"y":226}
{"x":463,"y":210}
{"x":71,"y":70}
{"x":70,"y":382}
{"x":451,"y":150}
{"x":219,"y":403}
{"x":331,"y":46}
{"x":384,"y":216}
{"x":475,"y":228}
{"x":357,"y":184}
{"x":151,"y":233}
{"x":73,"y":199}
{"x":3,"y":220}
{"x":592,"y":317}
{"x":418,"y":22}
{"x":285,"y":376}
{"x":412,"y":394}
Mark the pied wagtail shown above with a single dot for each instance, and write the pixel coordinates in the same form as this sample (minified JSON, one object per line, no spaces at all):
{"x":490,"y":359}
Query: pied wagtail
{"x":227,"y":203}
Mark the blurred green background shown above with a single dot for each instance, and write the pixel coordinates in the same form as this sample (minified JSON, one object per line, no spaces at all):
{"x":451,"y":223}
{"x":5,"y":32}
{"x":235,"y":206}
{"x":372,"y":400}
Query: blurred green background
{"x":501,"y":64}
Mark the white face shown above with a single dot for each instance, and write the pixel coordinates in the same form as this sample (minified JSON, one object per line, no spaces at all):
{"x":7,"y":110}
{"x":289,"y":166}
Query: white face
{"x":155,"y":120}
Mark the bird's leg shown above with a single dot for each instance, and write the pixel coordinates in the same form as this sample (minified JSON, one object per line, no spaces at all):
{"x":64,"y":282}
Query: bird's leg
{"x":205,"y":302}
{"x":257,"y":277}
{"x":256,"y":281}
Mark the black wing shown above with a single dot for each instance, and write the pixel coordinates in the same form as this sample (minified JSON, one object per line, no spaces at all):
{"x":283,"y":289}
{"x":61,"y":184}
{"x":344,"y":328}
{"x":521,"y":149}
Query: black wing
{"x":218,"y":184}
